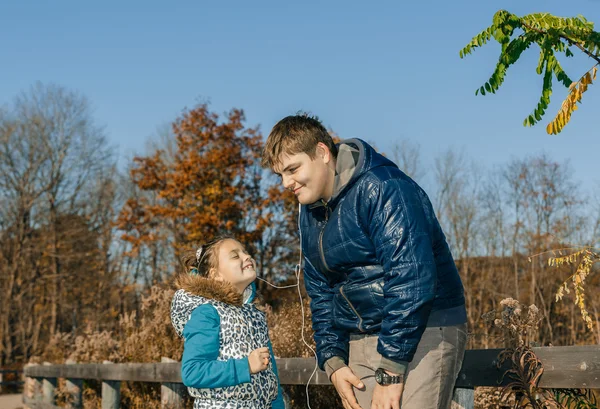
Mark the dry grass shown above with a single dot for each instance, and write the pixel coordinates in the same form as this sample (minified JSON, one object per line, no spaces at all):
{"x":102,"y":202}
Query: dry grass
{"x":149,"y":336}
{"x":146,"y":337}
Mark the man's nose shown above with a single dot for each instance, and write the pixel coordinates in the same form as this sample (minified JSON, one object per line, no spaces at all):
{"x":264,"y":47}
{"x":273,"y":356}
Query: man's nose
{"x":287,"y":182}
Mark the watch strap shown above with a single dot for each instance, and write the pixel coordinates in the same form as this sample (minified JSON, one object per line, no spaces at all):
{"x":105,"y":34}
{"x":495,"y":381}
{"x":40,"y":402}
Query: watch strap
{"x":387,"y":379}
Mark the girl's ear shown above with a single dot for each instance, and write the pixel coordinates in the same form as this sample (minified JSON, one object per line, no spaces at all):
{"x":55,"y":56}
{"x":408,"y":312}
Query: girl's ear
{"x":214,"y":274}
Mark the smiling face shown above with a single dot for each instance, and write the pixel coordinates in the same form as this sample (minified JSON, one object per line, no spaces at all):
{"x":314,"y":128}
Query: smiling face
{"x":235,"y":265}
{"x":310,"y":179}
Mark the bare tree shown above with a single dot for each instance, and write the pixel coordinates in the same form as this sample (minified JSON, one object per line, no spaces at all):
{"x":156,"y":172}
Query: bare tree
{"x":458,"y":182}
{"x":493,"y":220}
{"x":52,"y":154}
{"x":21,"y":158}
{"x":76,"y":155}
{"x":407,"y":155}
{"x":545,"y":204}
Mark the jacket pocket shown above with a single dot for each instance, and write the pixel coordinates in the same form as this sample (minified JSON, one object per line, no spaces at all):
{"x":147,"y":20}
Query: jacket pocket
{"x":360,"y":307}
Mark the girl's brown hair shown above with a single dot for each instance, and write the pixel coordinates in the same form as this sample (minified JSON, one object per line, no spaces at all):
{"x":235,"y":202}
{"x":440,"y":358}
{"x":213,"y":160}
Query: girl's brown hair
{"x":209,"y":257}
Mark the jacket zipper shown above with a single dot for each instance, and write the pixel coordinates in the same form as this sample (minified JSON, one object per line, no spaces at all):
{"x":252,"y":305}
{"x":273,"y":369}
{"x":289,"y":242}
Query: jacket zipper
{"x":360,"y":320}
{"x":321,"y":252}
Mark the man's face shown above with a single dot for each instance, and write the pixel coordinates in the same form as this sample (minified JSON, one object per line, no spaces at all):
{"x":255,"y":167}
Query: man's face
{"x":309,"y":179}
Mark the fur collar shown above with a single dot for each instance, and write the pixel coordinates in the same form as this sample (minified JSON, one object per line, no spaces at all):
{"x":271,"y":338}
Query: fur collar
{"x":215,"y":290}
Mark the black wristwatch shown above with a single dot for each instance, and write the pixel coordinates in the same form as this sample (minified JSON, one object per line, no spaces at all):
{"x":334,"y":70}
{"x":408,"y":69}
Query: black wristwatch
{"x":383,"y":378}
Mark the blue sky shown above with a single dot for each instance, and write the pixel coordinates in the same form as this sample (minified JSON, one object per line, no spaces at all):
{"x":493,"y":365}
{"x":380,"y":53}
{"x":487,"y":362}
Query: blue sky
{"x":382,"y":71}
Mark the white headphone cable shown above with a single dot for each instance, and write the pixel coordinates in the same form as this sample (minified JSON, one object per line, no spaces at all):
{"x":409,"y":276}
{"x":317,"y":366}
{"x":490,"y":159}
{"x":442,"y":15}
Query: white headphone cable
{"x":297,"y":274}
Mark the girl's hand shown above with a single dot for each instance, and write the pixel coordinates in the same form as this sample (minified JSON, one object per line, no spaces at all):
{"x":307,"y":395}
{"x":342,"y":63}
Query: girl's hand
{"x":259,"y":360}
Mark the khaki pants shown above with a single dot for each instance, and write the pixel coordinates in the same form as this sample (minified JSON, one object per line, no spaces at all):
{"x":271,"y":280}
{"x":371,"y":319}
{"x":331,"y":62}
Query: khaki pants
{"x":429,"y":380}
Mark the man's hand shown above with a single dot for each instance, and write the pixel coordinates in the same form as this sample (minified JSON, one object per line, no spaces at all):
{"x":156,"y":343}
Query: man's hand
{"x":387,"y":396}
{"x":344,"y":379}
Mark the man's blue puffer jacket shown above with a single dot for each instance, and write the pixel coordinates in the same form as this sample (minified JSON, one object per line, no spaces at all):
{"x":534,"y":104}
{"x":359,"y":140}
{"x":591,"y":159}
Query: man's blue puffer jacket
{"x":376,"y":259}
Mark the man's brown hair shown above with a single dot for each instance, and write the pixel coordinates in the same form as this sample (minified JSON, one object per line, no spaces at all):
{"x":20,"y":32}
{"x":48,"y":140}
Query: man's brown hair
{"x":296,"y":134}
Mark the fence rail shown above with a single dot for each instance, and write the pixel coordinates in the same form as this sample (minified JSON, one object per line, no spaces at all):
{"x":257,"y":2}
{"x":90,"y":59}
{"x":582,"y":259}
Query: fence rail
{"x":16,"y":376}
{"x":564,"y":367}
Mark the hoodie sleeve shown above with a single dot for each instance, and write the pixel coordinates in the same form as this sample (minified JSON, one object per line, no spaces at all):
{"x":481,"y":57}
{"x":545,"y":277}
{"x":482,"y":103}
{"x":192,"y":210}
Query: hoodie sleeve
{"x":199,"y":365}
{"x":278,"y":403}
{"x":400,"y":232}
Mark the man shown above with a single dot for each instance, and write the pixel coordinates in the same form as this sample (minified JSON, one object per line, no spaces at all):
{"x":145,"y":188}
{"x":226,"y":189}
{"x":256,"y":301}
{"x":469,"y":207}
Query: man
{"x":387,"y":302}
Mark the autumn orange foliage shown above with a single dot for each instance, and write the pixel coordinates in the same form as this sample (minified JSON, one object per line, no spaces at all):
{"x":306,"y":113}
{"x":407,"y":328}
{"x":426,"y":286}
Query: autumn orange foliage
{"x":212,"y":185}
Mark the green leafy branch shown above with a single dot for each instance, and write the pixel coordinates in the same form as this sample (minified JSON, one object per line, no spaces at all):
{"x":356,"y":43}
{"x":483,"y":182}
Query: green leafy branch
{"x":553,"y":35}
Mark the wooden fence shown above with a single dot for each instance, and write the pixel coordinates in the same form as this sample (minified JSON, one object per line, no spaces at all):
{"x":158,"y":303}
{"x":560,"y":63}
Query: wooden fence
{"x":564,"y":367}
{"x":13,"y":378}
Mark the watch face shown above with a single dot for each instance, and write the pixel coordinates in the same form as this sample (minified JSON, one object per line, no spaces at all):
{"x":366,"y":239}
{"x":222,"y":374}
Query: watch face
{"x":379,"y":376}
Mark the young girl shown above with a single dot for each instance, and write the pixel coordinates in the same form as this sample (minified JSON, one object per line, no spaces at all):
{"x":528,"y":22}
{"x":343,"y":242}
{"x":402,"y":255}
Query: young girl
{"x":227,"y":359}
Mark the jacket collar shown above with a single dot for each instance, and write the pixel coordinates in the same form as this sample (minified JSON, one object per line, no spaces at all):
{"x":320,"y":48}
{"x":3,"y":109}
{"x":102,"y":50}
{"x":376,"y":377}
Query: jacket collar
{"x":349,"y":162}
{"x":355,"y":158}
{"x":216,"y":290}
{"x":348,"y":166}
